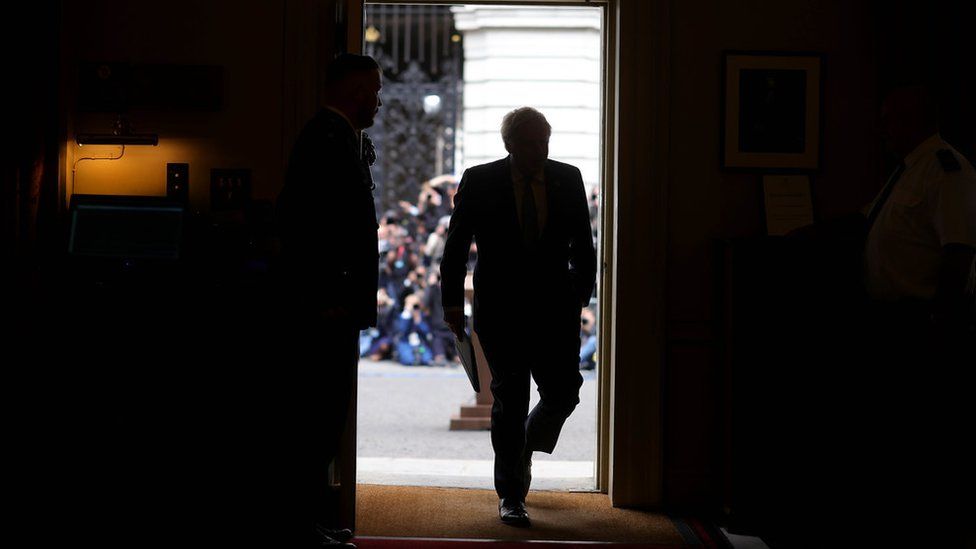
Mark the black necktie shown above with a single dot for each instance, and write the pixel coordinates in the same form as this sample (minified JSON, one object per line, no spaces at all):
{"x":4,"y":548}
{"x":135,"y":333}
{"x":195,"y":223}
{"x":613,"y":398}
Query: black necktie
{"x":885,"y":193}
{"x":530,"y":217}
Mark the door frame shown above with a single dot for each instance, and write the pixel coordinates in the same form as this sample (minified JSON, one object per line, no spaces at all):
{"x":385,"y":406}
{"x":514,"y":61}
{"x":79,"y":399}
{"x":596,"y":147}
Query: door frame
{"x":632,"y":262}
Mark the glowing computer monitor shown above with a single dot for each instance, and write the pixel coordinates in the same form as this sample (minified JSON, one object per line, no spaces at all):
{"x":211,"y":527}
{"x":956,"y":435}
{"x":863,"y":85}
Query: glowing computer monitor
{"x":125,"y":227}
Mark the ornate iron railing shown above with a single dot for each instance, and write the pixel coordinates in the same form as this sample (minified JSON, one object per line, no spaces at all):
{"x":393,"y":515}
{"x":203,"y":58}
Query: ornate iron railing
{"x":415,"y":133}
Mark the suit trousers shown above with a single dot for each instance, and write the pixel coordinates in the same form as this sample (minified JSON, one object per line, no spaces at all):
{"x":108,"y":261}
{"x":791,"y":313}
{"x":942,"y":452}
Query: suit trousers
{"x":312,"y":396}
{"x":548,"y":351}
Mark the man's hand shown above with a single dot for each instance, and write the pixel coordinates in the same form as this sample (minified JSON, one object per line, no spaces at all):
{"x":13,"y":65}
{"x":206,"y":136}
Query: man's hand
{"x":454,"y":317}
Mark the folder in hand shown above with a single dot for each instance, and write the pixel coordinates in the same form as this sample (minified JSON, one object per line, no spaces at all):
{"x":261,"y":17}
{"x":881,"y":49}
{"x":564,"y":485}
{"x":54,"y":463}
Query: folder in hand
{"x":465,"y":349}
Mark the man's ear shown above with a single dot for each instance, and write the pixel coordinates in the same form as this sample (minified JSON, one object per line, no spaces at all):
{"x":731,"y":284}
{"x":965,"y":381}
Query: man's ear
{"x":357,"y":89}
{"x":357,"y":85}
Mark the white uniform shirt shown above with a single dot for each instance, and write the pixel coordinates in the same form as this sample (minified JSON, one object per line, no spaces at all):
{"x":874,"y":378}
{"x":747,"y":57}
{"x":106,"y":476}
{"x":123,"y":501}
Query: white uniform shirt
{"x":929,"y":207}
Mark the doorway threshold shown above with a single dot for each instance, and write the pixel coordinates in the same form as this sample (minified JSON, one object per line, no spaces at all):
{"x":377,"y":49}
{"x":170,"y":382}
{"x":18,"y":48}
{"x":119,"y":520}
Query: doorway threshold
{"x":440,"y":518}
{"x":470,"y":473}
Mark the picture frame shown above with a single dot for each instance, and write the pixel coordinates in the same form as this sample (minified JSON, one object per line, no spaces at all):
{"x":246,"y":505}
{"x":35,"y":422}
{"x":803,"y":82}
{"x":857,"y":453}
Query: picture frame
{"x":771,"y":111}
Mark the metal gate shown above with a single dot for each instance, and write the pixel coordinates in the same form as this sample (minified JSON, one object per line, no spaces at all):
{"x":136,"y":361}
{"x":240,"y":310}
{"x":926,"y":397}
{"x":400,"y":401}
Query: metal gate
{"x":415,"y":134}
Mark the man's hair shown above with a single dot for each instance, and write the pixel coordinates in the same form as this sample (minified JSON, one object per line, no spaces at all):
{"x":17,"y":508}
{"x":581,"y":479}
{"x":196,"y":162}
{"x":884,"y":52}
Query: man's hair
{"x":513,"y":120}
{"x":346,"y":64}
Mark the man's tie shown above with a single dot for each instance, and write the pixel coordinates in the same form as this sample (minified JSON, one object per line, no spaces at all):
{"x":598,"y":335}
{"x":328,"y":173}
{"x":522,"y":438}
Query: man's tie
{"x":885,"y":193}
{"x":530,"y":216}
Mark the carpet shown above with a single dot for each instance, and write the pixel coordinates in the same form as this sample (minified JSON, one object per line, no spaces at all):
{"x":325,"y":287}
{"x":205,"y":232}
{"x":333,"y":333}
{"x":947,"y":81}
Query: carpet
{"x":449,"y":518}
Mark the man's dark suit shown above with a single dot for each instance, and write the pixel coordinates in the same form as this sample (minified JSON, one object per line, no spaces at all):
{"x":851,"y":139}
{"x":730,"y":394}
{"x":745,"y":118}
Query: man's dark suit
{"x":526,"y":304}
{"x":327,"y":225}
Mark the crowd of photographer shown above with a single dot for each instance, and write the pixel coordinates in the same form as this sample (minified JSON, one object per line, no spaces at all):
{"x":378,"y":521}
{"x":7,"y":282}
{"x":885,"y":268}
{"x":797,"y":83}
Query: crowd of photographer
{"x":410,"y":328}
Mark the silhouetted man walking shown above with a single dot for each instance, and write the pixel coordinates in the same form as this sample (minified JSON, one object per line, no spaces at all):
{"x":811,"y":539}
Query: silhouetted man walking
{"x":536,"y":269}
{"x":327,"y":224}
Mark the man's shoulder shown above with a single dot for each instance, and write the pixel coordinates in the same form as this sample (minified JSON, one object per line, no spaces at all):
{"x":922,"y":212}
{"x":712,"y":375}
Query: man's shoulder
{"x":484,"y":175}
{"x":327,"y":125}
{"x":953,"y":164}
{"x":561,"y":167}
{"x":937,"y":156}
{"x":487,"y":169}
{"x":946,"y":163}
{"x":940,"y":168}
{"x":566,"y":176}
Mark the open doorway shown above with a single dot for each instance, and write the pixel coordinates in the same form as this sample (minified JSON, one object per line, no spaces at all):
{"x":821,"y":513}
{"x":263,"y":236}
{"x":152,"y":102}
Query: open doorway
{"x":450,"y":74}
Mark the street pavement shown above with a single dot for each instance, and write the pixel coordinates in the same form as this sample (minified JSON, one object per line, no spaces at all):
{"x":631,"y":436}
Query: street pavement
{"x":403,"y":435}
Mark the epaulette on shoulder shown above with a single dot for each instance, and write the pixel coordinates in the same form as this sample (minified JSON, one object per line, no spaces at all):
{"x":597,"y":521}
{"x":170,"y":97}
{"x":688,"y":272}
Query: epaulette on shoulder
{"x":948,"y":160}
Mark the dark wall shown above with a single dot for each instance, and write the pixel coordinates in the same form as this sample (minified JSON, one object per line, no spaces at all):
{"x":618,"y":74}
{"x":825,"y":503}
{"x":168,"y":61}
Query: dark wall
{"x":244,"y":41}
{"x":707,"y":204}
{"x":869,"y":48}
{"x":28,"y":171}
{"x":132,"y":384}
{"x":932,"y":44}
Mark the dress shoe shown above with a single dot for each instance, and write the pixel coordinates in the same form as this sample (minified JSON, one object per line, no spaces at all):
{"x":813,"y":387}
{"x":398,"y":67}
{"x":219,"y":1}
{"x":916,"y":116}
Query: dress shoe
{"x":324,"y":541}
{"x":513,"y":513}
{"x":343,"y":534}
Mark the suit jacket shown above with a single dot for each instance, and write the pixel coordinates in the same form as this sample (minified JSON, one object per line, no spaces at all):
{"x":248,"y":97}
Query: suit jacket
{"x":327,"y":222}
{"x":555,"y":279}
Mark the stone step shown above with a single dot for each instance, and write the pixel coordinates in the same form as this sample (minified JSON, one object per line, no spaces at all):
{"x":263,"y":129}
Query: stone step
{"x":476,"y":410}
{"x":470,"y":423}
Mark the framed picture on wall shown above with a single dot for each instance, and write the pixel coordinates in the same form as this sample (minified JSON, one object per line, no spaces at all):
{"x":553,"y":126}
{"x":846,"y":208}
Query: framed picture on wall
{"x":771,"y":111}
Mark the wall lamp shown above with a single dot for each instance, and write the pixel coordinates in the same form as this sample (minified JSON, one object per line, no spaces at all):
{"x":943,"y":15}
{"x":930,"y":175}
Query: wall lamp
{"x":121,"y":135}
{"x":112,"y":139}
